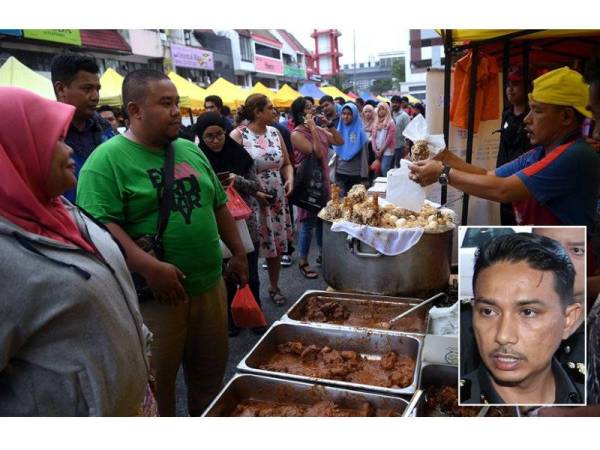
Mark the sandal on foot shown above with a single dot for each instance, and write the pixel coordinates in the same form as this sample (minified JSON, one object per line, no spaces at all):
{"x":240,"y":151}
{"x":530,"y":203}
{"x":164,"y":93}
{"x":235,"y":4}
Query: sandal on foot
{"x":310,"y":274}
{"x":277,"y":297}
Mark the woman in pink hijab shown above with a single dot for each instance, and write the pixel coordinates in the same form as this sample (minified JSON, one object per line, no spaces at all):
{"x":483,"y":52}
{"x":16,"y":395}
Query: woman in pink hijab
{"x":72,"y":341}
{"x":383,"y":137}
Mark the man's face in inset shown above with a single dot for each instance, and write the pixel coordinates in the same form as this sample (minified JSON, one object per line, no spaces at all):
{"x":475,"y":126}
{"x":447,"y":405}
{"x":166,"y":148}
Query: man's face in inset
{"x":573,"y":240}
{"x":519,"y":322}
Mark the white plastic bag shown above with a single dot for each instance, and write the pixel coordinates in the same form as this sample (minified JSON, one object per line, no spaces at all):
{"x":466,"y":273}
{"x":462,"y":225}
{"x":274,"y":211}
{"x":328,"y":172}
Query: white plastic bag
{"x":244,"y":236}
{"x":402,"y":191}
{"x":416,"y":130}
{"x":444,"y":321}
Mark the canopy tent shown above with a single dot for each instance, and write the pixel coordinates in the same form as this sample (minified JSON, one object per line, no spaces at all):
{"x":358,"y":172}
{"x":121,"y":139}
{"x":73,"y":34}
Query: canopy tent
{"x":533,"y":50}
{"x":285,"y":96}
{"x":366,"y":95}
{"x":260,"y":88}
{"x":232,"y":95}
{"x":335,"y":92}
{"x":110,"y":92}
{"x":352,"y":95}
{"x":381,"y":98}
{"x":16,"y":74}
{"x":190,"y":94}
{"x":412,"y":99}
{"x":311,"y":90}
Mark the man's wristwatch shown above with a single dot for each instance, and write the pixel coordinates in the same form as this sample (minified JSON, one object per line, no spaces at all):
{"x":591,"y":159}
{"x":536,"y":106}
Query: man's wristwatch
{"x":443,"y":178}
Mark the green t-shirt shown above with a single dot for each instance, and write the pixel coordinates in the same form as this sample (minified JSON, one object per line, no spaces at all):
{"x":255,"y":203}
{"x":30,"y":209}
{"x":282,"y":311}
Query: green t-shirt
{"x":121,"y":182}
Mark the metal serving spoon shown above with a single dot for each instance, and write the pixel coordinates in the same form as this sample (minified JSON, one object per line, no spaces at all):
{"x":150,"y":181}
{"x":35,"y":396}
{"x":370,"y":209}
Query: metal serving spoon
{"x":390,"y":324}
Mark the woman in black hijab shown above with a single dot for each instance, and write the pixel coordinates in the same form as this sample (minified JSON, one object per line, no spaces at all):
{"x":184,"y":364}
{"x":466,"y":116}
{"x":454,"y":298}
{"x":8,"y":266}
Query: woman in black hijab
{"x":233,"y":164}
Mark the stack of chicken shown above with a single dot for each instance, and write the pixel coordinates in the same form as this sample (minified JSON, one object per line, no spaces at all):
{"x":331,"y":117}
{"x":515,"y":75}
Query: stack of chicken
{"x":419,"y":151}
{"x":356,"y":207}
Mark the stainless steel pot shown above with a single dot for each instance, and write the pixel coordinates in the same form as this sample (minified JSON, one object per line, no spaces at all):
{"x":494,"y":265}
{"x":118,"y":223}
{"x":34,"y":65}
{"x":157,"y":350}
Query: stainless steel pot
{"x":351,"y":265}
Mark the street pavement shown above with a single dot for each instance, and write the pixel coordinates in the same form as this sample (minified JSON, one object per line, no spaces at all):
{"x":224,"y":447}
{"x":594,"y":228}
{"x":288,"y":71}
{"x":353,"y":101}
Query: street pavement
{"x":292,"y":284}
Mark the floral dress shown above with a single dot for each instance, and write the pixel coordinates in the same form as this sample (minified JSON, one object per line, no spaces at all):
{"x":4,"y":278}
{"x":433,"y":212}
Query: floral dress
{"x":275,"y":226}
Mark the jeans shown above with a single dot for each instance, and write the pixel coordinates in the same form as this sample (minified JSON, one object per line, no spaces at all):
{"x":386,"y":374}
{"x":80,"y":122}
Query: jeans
{"x":345,"y":182}
{"x":305,"y":236}
{"x":386,"y":164}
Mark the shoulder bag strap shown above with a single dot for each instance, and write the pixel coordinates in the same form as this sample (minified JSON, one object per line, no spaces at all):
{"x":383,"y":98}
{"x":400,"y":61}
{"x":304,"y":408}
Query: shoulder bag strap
{"x":166,"y":200}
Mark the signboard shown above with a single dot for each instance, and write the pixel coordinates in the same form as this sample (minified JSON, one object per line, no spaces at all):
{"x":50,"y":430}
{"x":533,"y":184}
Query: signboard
{"x":193,"y":58}
{"x":16,"y":33}
{"x":294,"y":72}
{"x":265,"y":64}
{"x":72,"y":37}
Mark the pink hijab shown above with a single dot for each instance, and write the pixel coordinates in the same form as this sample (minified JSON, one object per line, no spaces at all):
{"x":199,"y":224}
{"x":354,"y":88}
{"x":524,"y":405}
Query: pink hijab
{"x":385,"y":121}
{"x":30,"y":127}
{"x":368,"y":123}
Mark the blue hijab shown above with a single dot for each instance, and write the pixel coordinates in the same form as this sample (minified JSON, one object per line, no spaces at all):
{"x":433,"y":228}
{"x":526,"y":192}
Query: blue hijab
{"x":354,"y":135}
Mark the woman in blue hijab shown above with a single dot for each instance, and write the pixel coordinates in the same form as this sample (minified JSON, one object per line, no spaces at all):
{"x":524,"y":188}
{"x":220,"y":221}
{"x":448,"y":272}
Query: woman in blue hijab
{"x":352,"y":159}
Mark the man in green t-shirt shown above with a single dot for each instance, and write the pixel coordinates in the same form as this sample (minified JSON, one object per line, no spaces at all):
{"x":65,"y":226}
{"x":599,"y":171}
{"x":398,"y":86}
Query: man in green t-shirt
{"x":120,"y":185}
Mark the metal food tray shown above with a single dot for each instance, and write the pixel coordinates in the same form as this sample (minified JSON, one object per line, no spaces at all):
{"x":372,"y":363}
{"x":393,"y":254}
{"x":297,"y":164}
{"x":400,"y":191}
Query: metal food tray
{"x":357,"y":302}
{"x":244,"y":386}
{"x":371,"y":344}
{"x":444,"y":375}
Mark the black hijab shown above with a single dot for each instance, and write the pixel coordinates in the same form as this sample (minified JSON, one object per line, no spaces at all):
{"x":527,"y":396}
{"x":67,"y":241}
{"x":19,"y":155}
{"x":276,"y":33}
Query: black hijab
{"x":233,"y":157}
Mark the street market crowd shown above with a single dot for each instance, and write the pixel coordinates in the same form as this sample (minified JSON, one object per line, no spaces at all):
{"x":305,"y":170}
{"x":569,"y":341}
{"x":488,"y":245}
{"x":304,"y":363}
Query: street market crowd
{"x":113,"y":223}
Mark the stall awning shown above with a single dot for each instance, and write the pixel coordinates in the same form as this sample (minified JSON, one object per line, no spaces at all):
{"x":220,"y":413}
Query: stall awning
{"x":16,"y":74}
{"x":335,"y":92}
{"x":231,"y":94}
{"x":464,"y":36}
{"x":106,"y":39}
{"x":260,"y":88}
{"x":285,"y":96}
{"x":190,"y":95}
{"x":311,"y":90}
{"x":110,"y":92}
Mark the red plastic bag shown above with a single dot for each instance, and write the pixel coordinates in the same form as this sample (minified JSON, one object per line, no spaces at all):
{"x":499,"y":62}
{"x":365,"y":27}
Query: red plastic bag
{"x":245,"y":311}
{"x":236,"y":204}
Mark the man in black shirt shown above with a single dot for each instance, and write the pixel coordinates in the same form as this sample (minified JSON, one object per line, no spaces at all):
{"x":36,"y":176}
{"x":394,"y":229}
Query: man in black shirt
{"x":513,"y":138}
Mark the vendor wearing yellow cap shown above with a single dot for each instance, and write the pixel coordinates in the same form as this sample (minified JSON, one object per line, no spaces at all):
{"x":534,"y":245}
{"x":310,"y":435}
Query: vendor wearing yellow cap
{"x":555,"y":183}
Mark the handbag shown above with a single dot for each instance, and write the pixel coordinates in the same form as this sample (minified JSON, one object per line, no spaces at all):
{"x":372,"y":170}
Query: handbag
{"x":309,"y":185}
{"x":152,"y":243}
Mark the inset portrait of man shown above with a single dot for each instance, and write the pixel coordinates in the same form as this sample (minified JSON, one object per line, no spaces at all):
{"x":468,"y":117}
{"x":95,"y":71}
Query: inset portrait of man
{"x":523,"y":308}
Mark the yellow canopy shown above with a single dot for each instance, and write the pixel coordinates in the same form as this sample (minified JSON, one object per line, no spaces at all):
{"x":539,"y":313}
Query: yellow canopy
{"x":335,"y":92}
{"x":232,"y":95}
{"x":110,"y":92}
{"x":260,"y":88}
{"x":189,"y":93}
{"x":412,"y":99}
{"x":381,"y":98}
{"x":461,"y":36}
{"x":285,"y":96}
{"x":16,"y":74}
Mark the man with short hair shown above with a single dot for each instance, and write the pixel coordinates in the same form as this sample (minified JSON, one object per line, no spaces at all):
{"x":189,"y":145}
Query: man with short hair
{"x":402,"y":120}
{"x":108,"y":114}
{"x":76,"y":82}
{"x":328,"y":106}
{"x":340,"y":101}
{"x":522,"y":309}
{"x":121,"y":185}
{"x":556,"y":183}
{"x":214,"y":103}
{"x":360,"y":104}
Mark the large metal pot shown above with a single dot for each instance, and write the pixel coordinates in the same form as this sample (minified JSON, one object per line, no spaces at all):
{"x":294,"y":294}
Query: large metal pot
{"x":351,"y":265}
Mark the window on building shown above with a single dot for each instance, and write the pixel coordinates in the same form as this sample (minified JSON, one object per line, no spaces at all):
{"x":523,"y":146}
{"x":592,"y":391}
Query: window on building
{"x":267,"y":51}
{"x":288,"y":60}
{"x":300,"y":58}
{"x":246,"y":49}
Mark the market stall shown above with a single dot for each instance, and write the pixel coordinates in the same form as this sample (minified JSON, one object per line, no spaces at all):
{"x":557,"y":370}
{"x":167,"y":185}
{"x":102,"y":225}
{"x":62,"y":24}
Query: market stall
{"x":540,"y":49}
{"x":335,"y":92}
{"x":285,"y":96}
{"x":231,"y":94}
{"x":111,"y":83}
{"x":188,"y":90}
{"x":260,"y":88}
{"x":13,"y":73}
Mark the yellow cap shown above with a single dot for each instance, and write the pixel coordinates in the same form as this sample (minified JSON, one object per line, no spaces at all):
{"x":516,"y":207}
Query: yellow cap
{"x":563,"y":87}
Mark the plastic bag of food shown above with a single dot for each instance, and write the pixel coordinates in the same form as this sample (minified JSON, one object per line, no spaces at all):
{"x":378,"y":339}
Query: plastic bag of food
{"x":425,"y":146}
{"x":245,"y":311}
{"x":402,"y":191}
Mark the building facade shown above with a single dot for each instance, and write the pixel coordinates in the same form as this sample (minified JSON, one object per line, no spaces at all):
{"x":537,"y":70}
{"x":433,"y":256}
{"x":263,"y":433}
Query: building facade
{"x":426,"y":51}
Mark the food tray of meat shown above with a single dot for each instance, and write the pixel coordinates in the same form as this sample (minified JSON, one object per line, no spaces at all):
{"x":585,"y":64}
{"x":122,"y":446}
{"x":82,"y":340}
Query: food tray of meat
{"x":440,"y":399}
{"x":370,"y":360}
{"x":258,"y":396}
{"x":357,"y":311}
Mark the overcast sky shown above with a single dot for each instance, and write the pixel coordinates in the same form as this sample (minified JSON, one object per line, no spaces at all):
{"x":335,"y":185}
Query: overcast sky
{"x":369,"y":42}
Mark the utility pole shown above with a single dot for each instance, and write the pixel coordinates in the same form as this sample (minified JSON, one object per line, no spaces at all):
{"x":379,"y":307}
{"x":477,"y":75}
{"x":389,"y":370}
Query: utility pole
{"x":354,"y":50}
